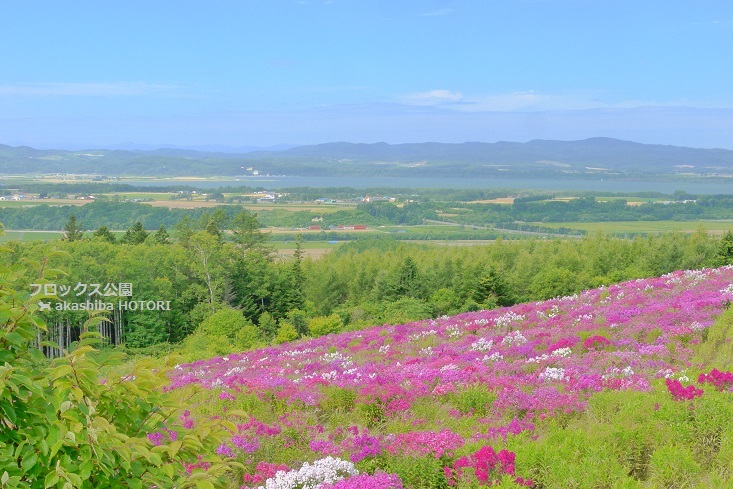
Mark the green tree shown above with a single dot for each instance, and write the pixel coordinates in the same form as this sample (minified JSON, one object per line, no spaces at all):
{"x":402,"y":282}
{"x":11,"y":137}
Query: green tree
{"x":104,"y":234}
{"x":72,"y":230}
{"x":161,"y":236}
{"x":183,"y":230}
{"x":323,"y":325}
{"x":252,"y":278}
{"x":445,"y":301}
{"x":299,"y":320}
{"x":491,"y":290}
{"x":405,"y":310}
{"x":285,"y":333}
{"x":407,"y":283}
{"x":292,"y":294}
{"x":724,"y":255}
{"x":267,"y":326}
{"x":135,"y":235}
{"x":207,"y":257}
{"x":246,"y":228}
{"x":226,"y":321}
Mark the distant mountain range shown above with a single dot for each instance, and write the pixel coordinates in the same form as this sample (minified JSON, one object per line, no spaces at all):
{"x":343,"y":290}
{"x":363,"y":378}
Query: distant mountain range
{"x":537,"y":158}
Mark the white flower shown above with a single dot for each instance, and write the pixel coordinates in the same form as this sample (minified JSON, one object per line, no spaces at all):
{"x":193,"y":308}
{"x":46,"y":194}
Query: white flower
{"x":562,"y":352}
{"x":514,"y":338}
{"x":333,"y":357}
{"x":422,"y":334}
{"x":327,"y":470}
{"x":453,"y":331}
{"x":493,"y":357}
{"x":506,"y":319}
{"x":482,"y":344}
{"x":553,"y":373}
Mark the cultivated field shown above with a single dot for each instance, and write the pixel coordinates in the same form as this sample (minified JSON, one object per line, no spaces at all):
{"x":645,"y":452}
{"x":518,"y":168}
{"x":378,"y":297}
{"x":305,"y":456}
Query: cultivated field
{"x":619,"y":227}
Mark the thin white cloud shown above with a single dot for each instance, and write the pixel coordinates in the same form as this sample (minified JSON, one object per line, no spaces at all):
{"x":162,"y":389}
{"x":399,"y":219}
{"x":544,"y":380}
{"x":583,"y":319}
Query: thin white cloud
{"x":531,"y":100}
{"x":439,"y":12}
{"x":85,"y":89}
{"x":433,"y":97}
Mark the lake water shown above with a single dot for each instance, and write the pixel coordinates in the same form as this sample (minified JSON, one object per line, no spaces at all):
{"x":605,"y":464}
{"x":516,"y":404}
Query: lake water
{"x":724,"y":186}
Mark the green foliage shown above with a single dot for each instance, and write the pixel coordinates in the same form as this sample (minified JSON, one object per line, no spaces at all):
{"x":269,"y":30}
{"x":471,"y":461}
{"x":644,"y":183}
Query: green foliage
{"x":724,"y":255}
{"x":104,"y":234}
{"x":246,"y":229}
{"x":323,"y":325}
{"x":267,"y":326}
{"x":493,"y":290}
{"x":161,"y":235}
{"x":135,"y":235}
{"x":419,"y":472}
{"x":299,"y":320}
{"x":200,"y":346}
{"x":716,"y":349}
{"x":405,"y":310}
{"x":634,"y":439}
{"x":674,"y":466}
{"x":73,"y":230}
{"x":473,"y":399}
{"x":81,"y":422}
{"x":285,"y":332}
{"x":337,"y":399}
{"x":145,"y":329}
{"x":226,"y":321}
{"x":248,"y":337}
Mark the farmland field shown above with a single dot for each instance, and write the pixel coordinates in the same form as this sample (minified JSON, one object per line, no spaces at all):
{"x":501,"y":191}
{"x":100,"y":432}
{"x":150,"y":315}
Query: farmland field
{"x":617,"y":227}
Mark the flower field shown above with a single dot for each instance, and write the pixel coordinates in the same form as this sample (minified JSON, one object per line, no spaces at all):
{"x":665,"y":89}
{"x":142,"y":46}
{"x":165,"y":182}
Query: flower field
{"x":620,"y":386}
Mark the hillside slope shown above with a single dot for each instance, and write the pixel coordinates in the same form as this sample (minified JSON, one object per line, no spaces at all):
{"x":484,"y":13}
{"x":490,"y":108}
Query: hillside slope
{"x":536,"y":159}
{"x":608,"y":369}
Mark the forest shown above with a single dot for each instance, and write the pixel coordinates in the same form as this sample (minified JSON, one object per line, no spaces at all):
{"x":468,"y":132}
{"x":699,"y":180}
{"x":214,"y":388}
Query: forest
{"x":222,"y":272}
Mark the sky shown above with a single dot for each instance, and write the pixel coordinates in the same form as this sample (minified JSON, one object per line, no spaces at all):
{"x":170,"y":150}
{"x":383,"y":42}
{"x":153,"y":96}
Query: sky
{"x":260,"y":73}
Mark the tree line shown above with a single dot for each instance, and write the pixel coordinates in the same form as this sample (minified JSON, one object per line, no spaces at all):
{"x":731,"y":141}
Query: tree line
{"x":237,"y":293}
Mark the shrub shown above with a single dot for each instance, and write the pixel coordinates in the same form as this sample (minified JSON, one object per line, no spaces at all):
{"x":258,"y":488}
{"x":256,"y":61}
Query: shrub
{"x":323,"y":325}
{"x":286,"y":332}
{"x":226,"y":321}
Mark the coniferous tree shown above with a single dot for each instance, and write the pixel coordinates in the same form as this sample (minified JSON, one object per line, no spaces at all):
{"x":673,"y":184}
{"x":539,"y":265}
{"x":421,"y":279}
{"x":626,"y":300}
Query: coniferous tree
{"x":105,"y":235}
{"x":409,"y":280}
{"x":724,"y":256}
{"x":135,"y":235}
{"x":246,"y":228}
{"x":493,"y":290}
{"x":161,"y":236}
{"x":72,"y":230}
{"x":298,"y":293}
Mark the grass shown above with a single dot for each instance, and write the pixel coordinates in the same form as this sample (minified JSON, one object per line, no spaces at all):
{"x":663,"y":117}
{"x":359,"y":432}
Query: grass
{"x":30,"y":236}
{"x":306,"y":245}
{"x":618,"y":227}
{"x":141,"y":195}
{"x":312,"y":249}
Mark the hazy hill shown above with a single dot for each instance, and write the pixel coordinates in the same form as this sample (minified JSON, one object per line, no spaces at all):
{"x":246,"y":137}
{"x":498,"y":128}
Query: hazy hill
{"x":539,"y":158}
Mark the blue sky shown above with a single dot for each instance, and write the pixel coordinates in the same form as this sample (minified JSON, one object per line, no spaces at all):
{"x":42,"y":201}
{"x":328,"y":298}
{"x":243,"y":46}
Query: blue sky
{"x":268,"y":72}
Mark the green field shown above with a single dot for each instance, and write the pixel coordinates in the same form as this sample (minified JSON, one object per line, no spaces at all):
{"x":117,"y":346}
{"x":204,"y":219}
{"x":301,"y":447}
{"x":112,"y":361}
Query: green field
{"x":142,"y":195}
{"x":642,"y":226}
{"x":29,"y":236}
